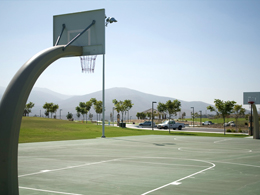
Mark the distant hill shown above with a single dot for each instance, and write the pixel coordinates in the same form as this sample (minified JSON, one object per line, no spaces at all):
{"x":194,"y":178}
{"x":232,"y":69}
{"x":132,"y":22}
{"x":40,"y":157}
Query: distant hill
{"x":142,"y":101}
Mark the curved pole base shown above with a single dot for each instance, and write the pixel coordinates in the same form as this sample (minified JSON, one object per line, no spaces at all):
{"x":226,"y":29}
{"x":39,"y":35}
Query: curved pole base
{"x":12,"y":107}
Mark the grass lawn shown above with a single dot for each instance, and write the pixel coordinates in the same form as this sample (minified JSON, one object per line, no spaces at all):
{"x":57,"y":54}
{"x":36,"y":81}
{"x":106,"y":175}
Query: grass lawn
{"x":35,"y":129}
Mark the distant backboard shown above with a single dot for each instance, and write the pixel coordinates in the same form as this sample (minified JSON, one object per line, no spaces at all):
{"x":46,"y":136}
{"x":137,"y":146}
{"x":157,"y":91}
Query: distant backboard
{"x":93,"y":40}
{"x":251,"y":96}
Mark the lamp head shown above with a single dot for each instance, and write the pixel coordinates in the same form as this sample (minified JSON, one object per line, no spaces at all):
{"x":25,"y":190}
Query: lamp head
{"x":110,"y":20}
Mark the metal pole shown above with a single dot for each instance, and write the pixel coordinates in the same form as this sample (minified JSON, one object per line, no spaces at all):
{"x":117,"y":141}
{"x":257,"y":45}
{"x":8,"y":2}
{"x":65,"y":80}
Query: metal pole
{"x":193,"y":117}
{"x":200,"y":116}
{"x":251,"y":123}
{"x":103,"y":99}
{"x":152,"y":115}
{"x":12,"y":107}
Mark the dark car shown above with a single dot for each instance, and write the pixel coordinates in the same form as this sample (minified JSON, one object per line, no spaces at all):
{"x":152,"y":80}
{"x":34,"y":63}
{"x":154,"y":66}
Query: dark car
{"x":147,"y":123}
{"x":207,"y":123}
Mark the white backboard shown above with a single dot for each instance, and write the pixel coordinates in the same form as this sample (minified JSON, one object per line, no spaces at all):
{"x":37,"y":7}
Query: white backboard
{"x":251,"y":96}
{"x":93,"y":40}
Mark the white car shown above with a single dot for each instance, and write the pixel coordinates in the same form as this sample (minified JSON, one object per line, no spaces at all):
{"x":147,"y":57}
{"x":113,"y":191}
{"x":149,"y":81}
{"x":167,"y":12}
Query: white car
{"x":171,"y":124}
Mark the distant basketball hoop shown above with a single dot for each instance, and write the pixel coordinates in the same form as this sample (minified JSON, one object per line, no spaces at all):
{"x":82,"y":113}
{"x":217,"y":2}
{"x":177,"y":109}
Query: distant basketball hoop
{"x":88,"y":63}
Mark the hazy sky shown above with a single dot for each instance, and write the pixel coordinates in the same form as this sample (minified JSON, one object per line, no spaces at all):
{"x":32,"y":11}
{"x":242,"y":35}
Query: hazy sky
{"x":189,"y":50}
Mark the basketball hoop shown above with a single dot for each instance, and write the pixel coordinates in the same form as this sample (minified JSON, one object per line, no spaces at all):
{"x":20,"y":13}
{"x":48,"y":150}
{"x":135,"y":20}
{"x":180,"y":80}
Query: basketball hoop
{"x":88,"y":63}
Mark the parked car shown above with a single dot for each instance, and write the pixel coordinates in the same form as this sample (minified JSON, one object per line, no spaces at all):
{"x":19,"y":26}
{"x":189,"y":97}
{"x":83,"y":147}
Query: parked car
{"x":147,"y":123}
{"x":207,"y":123}
{"x":171,"y":124}
{"x":230,"y":123}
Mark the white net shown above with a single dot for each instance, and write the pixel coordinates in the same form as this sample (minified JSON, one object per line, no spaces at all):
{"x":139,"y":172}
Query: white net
{"x":88,"y":63}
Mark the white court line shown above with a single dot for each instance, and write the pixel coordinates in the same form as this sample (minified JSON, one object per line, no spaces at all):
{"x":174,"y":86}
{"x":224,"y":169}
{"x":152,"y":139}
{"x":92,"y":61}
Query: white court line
{"x":177,"y":182}
{"x":48,"y":191}
{"x":247,"y":165}
{"x":163,"y":163}
{"x":223,"y":140}
{"x":70,"y":167}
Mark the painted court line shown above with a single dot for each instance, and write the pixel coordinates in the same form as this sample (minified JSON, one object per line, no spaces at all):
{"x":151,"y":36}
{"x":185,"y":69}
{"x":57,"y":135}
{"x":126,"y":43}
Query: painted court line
{"x":153,"y":163}
{"x":69,"y":167}
{"x":223,"y":140}
{"x":177,"y":182}
{"x":247,"y":165}
{"x":56,"y":192}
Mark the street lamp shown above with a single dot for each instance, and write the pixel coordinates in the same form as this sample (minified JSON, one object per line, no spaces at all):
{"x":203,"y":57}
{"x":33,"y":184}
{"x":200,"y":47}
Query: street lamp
{"x":152,"y":113}
{"x":108,"y":20}
{"x":193,"y":116}
{"x":60,"y":113}
{"x":113,"y":115}
{"x":200,"y":116}
{"x":251,"y":118}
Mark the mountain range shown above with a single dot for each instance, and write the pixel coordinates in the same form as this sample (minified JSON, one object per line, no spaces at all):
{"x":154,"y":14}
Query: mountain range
{"x":142,"y":101}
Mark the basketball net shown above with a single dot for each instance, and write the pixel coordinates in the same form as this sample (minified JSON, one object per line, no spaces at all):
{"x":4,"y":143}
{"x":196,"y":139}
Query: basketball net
{"x":88,"y":63}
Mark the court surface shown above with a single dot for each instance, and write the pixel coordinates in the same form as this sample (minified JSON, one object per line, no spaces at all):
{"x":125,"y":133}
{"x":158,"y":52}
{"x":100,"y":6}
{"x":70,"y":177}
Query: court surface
{"x":141,"y":165}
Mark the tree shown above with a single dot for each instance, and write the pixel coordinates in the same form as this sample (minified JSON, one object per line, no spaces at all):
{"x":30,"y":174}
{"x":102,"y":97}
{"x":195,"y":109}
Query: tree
{"x":122,"y":106}
{"x":172,"y":107}
{"x":28,"y":108}
{"x":98,"y":105}
{"x":161,"y":107}
{"x":46,"y":113}
{"x":183,"y":115}
{"x":143,"y":115}
{"x":224,"y":109}
{"x":54,"y":108}
{"x":50,"y":108}
{"x":78,"y":115}
{"x":47,"y":107}
{"x":138,"y":115}
{"x":83,"y":108}
{"x":90,"y":116}
{"x":149,"y":115}
{"x":69,"y":116}
{"x":238,"y":111}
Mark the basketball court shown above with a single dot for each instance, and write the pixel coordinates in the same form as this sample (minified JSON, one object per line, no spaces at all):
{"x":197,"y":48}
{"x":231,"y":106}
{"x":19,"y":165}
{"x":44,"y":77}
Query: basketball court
{"x":141,"y":165}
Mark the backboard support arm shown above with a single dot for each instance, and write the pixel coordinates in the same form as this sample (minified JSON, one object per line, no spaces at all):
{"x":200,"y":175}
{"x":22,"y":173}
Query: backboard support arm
{"x":58,"y":40}
{"x":78,"y":35}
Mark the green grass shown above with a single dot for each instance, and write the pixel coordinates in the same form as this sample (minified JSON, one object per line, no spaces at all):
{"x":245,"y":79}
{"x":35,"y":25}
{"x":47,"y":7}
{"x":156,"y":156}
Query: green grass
{"x":34,"y":129}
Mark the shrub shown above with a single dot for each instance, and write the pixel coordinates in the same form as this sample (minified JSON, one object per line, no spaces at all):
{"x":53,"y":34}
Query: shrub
{"x":229,"y":130}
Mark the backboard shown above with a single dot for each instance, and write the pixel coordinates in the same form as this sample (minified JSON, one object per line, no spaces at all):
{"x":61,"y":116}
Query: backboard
{"x":251,"y":96}
{"x":93,"y":40}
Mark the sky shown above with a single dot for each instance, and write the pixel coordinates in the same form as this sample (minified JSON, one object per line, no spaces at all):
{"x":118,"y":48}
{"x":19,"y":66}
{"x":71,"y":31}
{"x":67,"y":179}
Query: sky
{"x":191,"y":50}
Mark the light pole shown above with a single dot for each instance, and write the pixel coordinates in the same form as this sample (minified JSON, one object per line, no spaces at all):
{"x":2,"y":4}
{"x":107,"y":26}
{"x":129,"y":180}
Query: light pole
{"x":200,"y":116}
{"x":193,"y":116}
{"x":152,"y":113}
{"x":113,"y":115}
{"x":108,"y":20}
{"x":251,"y":118}
{"x":60,"y":113}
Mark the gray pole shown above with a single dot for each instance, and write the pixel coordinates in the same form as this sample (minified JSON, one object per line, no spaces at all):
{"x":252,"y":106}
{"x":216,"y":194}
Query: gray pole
{"x":200,"y":116}
{"x":103,"y":99}
{"x":12,"y":107}
{"x":60,"y":113}
{"x":193,"y":117}
{"x":152,"y":113}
